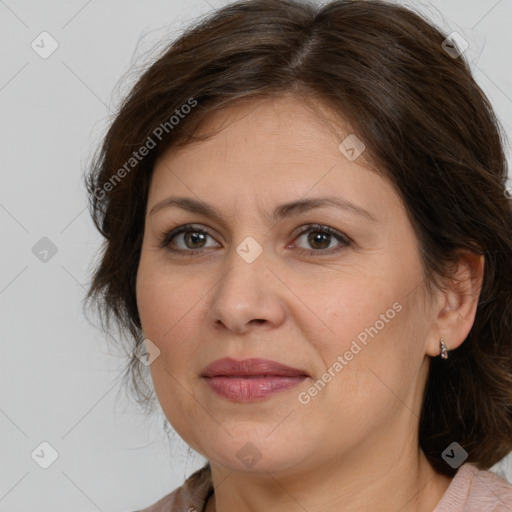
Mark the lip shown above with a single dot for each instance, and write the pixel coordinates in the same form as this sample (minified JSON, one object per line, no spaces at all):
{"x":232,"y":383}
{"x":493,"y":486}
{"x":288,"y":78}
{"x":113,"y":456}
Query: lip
{"x":250,"y":367}
{"x":250,"y":380}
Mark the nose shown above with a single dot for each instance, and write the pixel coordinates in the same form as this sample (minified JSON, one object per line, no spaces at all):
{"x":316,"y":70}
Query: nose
{"x":247,"y":296}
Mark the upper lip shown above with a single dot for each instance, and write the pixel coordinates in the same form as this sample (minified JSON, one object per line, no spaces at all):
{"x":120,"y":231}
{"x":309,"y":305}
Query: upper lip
{"x":250,"y":367}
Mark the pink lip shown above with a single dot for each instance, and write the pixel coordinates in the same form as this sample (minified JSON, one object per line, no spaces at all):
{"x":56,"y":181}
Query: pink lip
{"x":251,"y":379}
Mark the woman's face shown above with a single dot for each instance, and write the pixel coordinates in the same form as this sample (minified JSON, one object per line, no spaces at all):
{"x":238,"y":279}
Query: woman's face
{"x":347,"y":308}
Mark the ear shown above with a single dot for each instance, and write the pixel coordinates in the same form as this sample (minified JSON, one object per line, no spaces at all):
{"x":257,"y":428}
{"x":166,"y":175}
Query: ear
{"x":456,"y":305}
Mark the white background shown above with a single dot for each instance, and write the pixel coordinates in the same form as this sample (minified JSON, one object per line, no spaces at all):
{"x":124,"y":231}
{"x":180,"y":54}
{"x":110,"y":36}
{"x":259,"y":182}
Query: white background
{"x":58,"y":381}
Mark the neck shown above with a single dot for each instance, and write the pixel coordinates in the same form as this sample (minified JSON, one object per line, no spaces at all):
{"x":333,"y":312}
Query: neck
{"x":408,"y":485}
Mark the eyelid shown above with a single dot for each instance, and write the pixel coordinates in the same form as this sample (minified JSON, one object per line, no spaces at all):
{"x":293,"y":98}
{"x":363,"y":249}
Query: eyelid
{"x":324,"y":228}
{"x":344,"y":240}
{"x":169,"y":235}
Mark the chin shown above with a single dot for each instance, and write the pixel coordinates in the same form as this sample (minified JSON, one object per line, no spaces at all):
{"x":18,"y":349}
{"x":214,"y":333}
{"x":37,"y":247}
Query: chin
{"x":257,"y":454}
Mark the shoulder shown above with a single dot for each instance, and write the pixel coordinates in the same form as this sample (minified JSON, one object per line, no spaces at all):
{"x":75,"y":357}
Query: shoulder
{"x":190,"y":497}
{"x":475,"y":490}
{"x":165,"y":504}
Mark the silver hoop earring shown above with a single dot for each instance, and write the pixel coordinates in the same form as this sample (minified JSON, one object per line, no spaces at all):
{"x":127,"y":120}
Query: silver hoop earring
{"x":444,"y":351}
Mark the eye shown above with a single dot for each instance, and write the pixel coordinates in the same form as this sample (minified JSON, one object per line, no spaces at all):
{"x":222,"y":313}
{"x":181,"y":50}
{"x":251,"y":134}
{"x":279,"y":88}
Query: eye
{"x":194,"y":239}
{"x":320,"y":238}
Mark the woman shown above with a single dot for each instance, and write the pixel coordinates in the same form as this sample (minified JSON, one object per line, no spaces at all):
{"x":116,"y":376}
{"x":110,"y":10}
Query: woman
{"x":308,"y":239}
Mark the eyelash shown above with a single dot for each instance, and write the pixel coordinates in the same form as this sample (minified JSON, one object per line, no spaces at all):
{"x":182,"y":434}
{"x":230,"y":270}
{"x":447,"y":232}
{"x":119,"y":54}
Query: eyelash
{"x":168,"y":237}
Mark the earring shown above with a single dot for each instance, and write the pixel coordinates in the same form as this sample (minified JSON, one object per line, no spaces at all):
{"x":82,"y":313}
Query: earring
{"x":444,"y":352}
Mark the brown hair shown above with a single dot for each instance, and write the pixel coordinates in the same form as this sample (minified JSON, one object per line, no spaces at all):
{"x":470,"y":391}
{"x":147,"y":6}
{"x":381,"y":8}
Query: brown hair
{"x":423,"y":119}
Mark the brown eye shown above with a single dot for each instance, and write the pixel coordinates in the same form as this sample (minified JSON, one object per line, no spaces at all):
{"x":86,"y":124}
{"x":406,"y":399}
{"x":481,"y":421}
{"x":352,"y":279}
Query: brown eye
{"x":194,"y":239}
{"x":319,"y":239}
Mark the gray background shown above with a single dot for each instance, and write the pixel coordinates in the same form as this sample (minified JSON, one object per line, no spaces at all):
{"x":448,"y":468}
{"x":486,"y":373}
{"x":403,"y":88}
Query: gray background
{"x":58,"y":375}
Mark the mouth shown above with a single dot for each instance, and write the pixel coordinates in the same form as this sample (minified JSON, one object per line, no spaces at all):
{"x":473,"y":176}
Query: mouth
{"x":250,"y":367}
{"x":250,"y":380}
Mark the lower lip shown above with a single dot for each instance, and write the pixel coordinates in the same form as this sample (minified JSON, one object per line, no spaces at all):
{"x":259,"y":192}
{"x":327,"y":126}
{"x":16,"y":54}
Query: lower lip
{"x":239,"y":389}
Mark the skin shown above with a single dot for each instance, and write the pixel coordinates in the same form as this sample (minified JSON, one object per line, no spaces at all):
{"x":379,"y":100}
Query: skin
{"x":354,"y":446}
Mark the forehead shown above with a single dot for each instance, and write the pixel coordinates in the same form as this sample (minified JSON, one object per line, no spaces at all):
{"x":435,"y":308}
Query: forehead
{"x":273,"y":148}
{"x":281,"y":124}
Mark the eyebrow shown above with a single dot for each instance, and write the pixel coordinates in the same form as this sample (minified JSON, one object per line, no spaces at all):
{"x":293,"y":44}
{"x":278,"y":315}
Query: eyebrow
{"x":282,"y":210}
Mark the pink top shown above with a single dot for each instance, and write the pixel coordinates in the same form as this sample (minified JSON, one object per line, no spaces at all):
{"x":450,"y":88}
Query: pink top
{"x":471,"y":490}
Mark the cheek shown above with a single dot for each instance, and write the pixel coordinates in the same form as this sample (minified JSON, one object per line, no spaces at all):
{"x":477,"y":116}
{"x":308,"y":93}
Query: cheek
{"x":165,"y":314}
{"x":171,"y":308}
{"x":373,"y":325}
{"x":161,"y":299}
{"x":353,"y":310}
